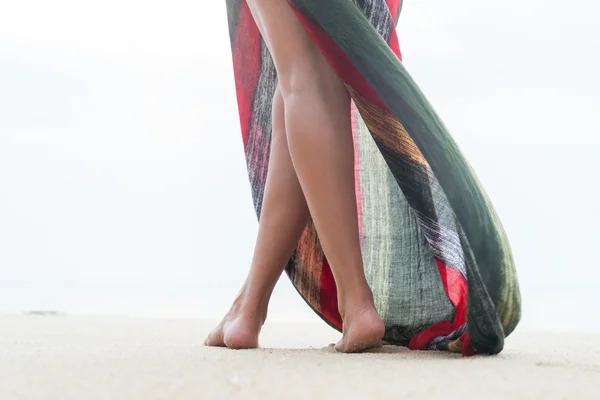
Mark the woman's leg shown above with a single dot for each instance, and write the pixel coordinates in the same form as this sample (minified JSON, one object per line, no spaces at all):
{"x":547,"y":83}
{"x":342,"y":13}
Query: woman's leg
{"x":318,"y":127}
{"x":283,"y":218}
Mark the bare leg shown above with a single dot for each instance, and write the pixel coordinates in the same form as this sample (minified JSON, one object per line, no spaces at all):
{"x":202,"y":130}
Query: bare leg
{"x":284,"y":217}
{"x":318,"y":127}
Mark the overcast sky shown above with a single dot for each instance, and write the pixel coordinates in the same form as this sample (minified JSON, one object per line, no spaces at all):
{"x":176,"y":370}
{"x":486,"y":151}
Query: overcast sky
{"x":122,"y":179}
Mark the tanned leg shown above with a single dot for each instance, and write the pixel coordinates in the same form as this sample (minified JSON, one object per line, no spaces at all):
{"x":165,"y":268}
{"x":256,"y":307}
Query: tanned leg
{"x":318,"y":128}
{"x":284,"y":216}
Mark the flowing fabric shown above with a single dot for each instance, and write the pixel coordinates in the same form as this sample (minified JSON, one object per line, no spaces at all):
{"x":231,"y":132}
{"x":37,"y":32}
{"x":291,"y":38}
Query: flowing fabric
{"x":435,"y":253}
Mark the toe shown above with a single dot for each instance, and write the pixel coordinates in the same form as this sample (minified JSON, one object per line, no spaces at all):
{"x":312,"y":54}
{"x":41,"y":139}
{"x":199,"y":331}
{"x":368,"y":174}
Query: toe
{"x":215,"y":338}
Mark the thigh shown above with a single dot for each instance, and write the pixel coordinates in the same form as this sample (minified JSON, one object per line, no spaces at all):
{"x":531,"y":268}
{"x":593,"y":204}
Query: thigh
{"x":293,"y":50}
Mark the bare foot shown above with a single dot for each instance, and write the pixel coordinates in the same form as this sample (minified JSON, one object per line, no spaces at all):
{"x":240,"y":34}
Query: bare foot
{"x":239,"y":329}
{"x":363,"y":329}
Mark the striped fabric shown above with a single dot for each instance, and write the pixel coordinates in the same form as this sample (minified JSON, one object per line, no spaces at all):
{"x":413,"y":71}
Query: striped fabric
{"x":435,"y":253}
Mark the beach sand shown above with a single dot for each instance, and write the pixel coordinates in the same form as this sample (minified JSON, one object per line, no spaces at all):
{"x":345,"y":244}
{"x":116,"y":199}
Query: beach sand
{"x":86,"y":358}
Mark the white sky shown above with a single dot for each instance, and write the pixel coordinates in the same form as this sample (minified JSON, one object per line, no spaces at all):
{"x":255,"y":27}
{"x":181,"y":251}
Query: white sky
{"x":122,"y":181}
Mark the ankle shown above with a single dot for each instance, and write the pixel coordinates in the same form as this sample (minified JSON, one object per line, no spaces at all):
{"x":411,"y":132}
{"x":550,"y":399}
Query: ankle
{"x":354,"y":303}
{"x":251,"y":306}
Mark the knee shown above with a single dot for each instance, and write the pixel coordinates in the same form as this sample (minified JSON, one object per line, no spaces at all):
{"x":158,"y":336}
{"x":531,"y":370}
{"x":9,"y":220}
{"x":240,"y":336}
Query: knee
{"x":313,"y":94}
{"x":300,"y":87}
{"x":306,"y":81}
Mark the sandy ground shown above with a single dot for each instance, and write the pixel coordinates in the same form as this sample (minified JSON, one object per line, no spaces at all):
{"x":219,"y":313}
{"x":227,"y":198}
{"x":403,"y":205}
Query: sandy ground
{"x":85,"y":358}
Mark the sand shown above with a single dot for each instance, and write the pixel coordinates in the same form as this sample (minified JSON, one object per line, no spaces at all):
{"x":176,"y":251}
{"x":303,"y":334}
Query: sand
{"x":86,"y":358}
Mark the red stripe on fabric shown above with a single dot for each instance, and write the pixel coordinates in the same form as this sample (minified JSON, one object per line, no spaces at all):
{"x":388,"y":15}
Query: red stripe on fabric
{"x":340,"y":62}
{"x":422,"y":339}
{"x":393,"y":5}
{"x":454,"y":283}
{"x":328,"y":297}
{"x":457,"y":285}
{"x":456,"y":288}
{"x":357,"y":188}
{"x":467,"y":349}
{"x":457,"y":293}
{"x":246,"y":66}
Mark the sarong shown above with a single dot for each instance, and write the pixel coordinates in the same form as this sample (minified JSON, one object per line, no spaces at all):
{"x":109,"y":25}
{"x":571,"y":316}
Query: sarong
{"x":435,"y":253}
